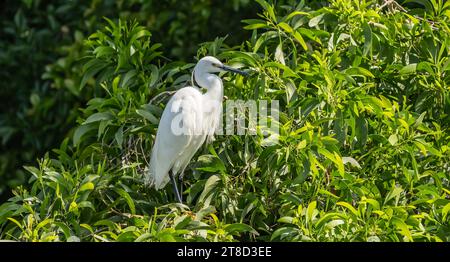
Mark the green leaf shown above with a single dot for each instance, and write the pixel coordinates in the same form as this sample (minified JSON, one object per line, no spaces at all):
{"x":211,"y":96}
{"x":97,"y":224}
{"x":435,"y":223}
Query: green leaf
{"x":287,"y":220}
{"x":263,"y":39}
{"x":210,"y":184}
{"x":425,"y":66}
{"x":403,"y":228}
{"x":239,"y":227}
{"x":182,"y":222}
{"x":127,"y":236}
{"x":308,"y":106}
{"x":268,"y":8}
{"x":287,"y":71}
{"x":105,"y":222}
{"x":393,"y":139}
{"x":287,"y":28}
{"x":87,"y":227}
{"x":349,"y":207}
{"x":327,"y":217}
{"x":310,"y":34}
{"x":124,"y":194}
{"x":351,"y":161}
{"x":64,"y":228}
{"x":279,"y":55}
{"x":73,"y":239}
{"x":255,"y":26}
{"x":374,"y":203}
{"x":335,"y":158}
{"x":295,"y":13}
{"x":394,"y":193}
{"x":327,"y":154}
{"x":358,"y":71}
{"x":373,"y":239}
{"x":139,"y":32}
{"x":147,"y":115}
{"x":94,"y":68}
{"x":409,"y":69}
{"x":246,"y":58}
{"x":88,"y":204}
{"x":310,"y":210}
{"x":445,"y":211}
{"x":339,"y":164}
{"x":328,"y":193}
{"x":432,"y":150}
{"x":154,"y":76}
{"x":15,"y":222}
{"x":315,"y":20}
{"x":210,"y":163}
{"x":119,"y":136}
{"x":421,"y":147}
{"x":128,"y":76}
{"x":33,"y":170}
{"x":284,"y":232}
{"x":98,"y":117}
{"x":103,"y":51}
{"x":300,"y":39}
{"x":42,"y":224}
{"x":81,"y":131}
{"x":86,"y":186}
{"x":155,"y":110}
{"x":419,"y":120}
{"x":367,"y":39}
{"x":301,"y":145}
{"x":143,"y":237}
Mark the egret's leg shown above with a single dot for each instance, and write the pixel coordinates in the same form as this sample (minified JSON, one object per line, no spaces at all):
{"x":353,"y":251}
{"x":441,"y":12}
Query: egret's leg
{"x":181,"y":185}
{"x":175,"y":188}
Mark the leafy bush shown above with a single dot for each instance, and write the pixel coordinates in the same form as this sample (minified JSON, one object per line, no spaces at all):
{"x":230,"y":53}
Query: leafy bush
{"x":41,"y":43}
{"x":362,"y":153}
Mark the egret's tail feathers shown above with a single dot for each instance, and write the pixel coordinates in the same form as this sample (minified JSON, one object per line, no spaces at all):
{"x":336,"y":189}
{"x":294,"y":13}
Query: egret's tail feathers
{"x":153,"y":179}
{"x":157,"y":174}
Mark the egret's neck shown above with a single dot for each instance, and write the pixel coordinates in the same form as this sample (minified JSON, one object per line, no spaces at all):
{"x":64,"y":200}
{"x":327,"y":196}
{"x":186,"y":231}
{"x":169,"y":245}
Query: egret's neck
{"x":213,"y":85}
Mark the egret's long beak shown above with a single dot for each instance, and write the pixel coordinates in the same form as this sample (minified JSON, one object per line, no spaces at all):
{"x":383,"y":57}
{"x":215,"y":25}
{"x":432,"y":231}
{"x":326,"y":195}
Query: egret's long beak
{"x":233,"y":70}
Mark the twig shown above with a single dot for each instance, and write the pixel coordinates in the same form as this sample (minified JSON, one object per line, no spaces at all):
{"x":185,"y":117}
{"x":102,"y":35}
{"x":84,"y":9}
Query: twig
{"x":161,"y":94}
{"x":386,"y":2}
{"x":143,"y":154}
{"x":127,"y":215}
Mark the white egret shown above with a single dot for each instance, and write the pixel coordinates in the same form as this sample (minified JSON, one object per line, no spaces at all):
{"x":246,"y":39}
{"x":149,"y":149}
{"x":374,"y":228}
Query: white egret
{"x":190,"y":118}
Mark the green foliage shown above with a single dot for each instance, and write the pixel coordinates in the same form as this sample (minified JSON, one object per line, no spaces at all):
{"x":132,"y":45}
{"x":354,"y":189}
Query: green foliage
{"x":41,"y":45}
{"x":362,"y":153}
{"x":27,"y":101}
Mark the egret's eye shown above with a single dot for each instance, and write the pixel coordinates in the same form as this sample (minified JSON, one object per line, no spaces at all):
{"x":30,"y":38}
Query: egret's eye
{"x":215,"y":65}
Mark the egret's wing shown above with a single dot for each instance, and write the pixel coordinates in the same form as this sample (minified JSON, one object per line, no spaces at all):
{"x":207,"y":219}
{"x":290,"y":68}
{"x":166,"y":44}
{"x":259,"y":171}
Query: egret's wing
{"x":178,"y":128}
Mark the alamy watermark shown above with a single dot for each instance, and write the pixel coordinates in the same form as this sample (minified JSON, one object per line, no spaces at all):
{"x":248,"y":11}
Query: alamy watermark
{"x":238,"y":117}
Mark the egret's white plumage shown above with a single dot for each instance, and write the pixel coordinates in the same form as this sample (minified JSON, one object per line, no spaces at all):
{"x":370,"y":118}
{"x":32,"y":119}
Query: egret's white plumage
{"x":189,"y":119}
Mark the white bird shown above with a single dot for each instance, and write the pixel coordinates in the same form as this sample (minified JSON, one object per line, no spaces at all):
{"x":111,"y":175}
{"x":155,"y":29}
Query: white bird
{"x":189,"y":119}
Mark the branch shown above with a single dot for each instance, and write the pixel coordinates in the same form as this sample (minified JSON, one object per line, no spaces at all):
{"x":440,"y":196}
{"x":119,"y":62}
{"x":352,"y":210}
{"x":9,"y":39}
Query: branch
{"x":161,"y":94}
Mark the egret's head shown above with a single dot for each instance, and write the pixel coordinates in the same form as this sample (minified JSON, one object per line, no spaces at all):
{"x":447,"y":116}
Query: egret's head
{"x":210,"y":64}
